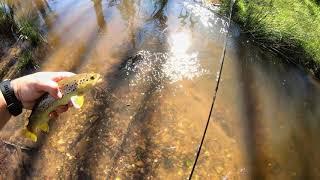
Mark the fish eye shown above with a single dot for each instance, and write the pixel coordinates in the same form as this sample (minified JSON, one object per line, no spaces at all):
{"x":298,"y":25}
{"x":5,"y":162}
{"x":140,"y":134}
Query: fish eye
{"x":92,"y":77}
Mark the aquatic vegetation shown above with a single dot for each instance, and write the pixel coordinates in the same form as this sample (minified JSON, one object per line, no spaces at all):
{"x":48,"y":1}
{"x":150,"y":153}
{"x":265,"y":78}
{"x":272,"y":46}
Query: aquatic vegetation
{"x":288,"y":28}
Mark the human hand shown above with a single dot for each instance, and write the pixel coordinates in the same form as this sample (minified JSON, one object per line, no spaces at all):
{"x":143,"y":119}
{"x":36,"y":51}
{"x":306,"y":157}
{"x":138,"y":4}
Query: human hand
{"x":31,"y":87}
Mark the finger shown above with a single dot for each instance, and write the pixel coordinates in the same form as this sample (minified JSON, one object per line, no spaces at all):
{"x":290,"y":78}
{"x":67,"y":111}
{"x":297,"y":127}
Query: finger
{"x":62,"y":109}
{"x":57,"y":76}
{"x":70,"y":104}
{"x":53,"y":115}
{"x":49,"y":86}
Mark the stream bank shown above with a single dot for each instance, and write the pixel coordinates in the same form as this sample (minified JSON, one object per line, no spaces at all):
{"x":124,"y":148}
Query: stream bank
{"x":289,"y":29}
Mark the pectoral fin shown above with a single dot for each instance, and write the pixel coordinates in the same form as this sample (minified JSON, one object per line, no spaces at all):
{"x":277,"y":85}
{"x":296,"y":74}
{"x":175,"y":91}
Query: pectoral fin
{"x":77,"y":101}
{"x":44,"y":127}
{"x":30,"y":135}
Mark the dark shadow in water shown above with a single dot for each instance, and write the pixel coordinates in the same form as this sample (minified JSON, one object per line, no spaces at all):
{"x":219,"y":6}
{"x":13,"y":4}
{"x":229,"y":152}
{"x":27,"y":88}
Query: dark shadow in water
{"x":102,"y":121}
{"x":300,"y":133}
{"x":99,"y":14}
{"x":250,"y":115}
{"x":160,"y":13}
{"x":303,"y":128}
{"x":140,"y":123}
{"x":94,"y":37}
{"x":116,"y":80}
{"x":128,"y":12}
{"x":83,"y":49}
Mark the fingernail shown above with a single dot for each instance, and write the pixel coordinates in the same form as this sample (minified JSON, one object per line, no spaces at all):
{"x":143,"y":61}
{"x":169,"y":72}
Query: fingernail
{"x":59,"y":94}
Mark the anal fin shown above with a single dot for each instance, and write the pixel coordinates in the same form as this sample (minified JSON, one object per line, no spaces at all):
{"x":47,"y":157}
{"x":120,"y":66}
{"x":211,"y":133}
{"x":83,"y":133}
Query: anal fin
{"x":30,"y":135}
{"x":77,"y":101}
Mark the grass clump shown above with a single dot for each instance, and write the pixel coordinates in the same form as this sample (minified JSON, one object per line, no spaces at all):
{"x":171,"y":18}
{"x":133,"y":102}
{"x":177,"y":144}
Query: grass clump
{"x":25,"y":60}
{"x":289,"y":28}
{"x":28,"y":30}
{"x":25,"y":26}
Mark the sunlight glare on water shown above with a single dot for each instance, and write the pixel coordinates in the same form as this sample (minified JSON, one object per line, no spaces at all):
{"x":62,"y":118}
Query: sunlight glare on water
{"x":176,"y":65}
{"x":179,"y":42}
{"x":182,"y":64}
{"x":206,"y":16}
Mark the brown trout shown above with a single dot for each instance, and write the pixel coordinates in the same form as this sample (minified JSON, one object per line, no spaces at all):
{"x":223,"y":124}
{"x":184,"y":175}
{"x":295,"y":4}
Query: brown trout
{"x":72,"y":89}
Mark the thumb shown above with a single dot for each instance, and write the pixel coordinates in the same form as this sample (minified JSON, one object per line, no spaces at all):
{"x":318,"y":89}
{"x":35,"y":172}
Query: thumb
{"x":51,"y":87}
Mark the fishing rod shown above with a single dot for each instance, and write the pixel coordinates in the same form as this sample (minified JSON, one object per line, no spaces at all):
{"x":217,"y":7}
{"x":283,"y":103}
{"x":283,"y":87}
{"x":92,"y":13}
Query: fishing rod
{"x":216,"y":90}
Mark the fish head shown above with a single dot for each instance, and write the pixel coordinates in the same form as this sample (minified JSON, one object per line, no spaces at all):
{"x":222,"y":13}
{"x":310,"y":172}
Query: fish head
{"x":87,"y":81}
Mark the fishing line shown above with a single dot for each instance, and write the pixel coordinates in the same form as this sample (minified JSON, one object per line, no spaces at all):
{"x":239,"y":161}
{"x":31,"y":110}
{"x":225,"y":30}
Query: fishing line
{"x":215,"y":92}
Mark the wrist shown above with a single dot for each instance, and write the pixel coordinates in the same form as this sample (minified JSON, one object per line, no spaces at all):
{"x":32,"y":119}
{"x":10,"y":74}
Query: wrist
{"x":13,"y":105}
{"x":15,"y":87}
{"x":5,"y":114}
{"x":3,"y":103}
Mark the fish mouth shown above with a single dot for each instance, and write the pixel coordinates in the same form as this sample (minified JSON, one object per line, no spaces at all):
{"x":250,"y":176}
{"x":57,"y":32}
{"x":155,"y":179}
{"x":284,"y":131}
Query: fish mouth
{"x":99,"y":80}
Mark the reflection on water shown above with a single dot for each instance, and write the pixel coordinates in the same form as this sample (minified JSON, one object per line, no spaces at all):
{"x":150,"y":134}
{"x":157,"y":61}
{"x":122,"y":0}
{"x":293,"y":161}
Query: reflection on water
{"x":99,"y":13}
{"x":159,"y":61}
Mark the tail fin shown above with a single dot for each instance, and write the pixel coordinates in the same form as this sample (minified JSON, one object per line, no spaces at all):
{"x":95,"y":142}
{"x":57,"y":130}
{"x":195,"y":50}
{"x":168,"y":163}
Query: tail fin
{"x":30,"y":135}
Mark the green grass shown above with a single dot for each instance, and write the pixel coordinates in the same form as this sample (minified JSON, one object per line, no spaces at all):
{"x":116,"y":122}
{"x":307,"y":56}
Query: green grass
{"x":26,"y":27}
{"x":290,"y":28}
{"x":28,"y":30}
{"x":26,"y":59}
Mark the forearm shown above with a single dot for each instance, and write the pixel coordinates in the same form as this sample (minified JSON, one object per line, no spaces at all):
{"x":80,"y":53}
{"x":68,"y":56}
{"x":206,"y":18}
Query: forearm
{"x":4,"y":113}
